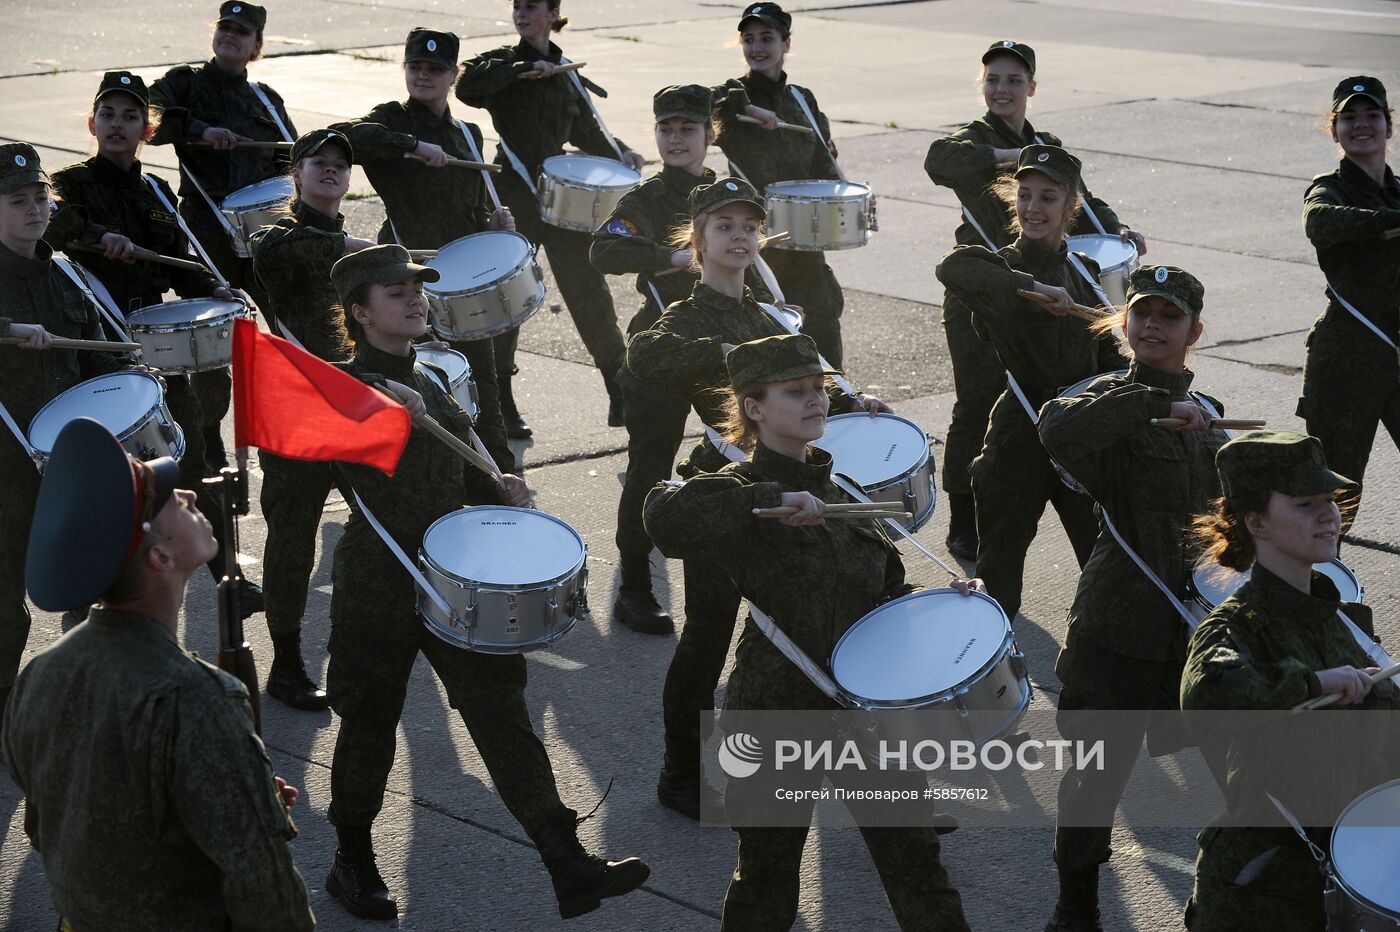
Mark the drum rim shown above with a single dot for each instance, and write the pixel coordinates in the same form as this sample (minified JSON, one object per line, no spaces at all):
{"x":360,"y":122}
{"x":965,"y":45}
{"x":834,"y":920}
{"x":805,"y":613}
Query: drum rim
{"x":923,"y":460}
{"x":867,"y":704}
{"x":560,"y":179}
{"x":768,"y":190}
{"x":526,"y":261}
{"x":463,"y":376}
{"x":1130,"y":262}
{"x":282,"y":182}
{"x":463,"y":582}
{"x":1199,"y":597}
{"x":491,"y":646}
{"x":235,"y":309}
{"x":1336,"y":874}
{"x":126,"y":433}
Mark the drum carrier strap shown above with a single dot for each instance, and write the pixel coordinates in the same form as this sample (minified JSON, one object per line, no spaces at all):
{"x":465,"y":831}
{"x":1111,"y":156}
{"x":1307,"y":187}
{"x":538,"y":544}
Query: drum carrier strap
{"x":110,"y":314}
{"x":189,"y":234}
{"x":19,"y":435}
{"x":817,"y":130}
{"x":397,"y":551}
{"x":1351,"y":308}
{"x":517,"y":165}
{"x":1084,"y":202}
{"x":218,"y":215}
{"x":271,"y":110}
{"x":476,"y":155}
{"x":472,"y":435}
{"x":588,"y":99}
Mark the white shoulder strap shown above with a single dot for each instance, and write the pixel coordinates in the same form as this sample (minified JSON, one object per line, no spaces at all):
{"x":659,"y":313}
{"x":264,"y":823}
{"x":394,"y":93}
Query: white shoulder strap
{"x":517,"y":165}
{"x":185,"y":227}
{"x":588,"y":99}
{"x":476,"y":155}
{"x":19,"y":434}
{"x":271,"y":111}
{"x":109,"y":313}
{"x":1351,"y":309}
{"x":397,"y":551}
{"x":817,"y":130}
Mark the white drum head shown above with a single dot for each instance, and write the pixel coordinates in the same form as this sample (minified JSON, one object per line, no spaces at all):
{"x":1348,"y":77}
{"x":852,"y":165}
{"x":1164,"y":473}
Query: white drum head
{"x":503,"y":546}
{"x":174,"y":313}
{"x":271,"y":189}
{"x":920,"y":645}
{"x":1108,"y":251}
{"x":1366,"y":846}
{"x":817,"y":189}
{"x":592,"y":171}
{"x":873,"y":450}
{"x":448,"y":360}
{"x":1080,"y":387}
{"x":476,"y":261}
{"x":117,"y":401}
{"x":1214,"y":583}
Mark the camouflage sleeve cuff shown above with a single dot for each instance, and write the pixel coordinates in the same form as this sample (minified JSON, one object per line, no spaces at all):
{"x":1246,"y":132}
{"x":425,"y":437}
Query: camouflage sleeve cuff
{"x":663,"y":258}
{"x":1159,"y":402}
{"x":733,"y":102}
{"x":1314,"y":684}
{"x":767,"y":494}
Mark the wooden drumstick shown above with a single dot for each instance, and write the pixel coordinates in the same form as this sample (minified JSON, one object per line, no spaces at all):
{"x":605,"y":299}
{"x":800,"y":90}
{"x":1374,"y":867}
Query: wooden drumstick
{"x":457,"y":446}
{"x":248,"y":144}
{"x":1220,"y":423}
{"x":1391,"y":234}
{"x":1076,"y":310}
{"x":417,"y":254}
{"x":146,"y":255}
{"x":1324,"y":701}
{"x":104,"y":346}
{"x":855,"y":513}
{"x":460,"y":163}
{"x":530,"y":74}
{"x":790,"y":127}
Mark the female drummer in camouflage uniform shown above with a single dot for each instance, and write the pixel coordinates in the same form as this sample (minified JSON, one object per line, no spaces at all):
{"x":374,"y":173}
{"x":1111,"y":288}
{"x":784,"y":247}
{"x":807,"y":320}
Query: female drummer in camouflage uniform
{"x":636,"y":239}
{"x":1278,"y":641}
{"x":1044,"y":350}
{"x":1351,"y":380}
{"x":763,"y":157}
{"x":683,"y":355}
{"x":535,"y":112}
{"x":40,"y":303}
{"x":1126,"y":642}
{"x":429,"y":204}
{"x":777,"y":407}
{"x":376,"y":634}
{"x":968,"y":161}
{"x":204,"y":112}
{"x":106,"y":202}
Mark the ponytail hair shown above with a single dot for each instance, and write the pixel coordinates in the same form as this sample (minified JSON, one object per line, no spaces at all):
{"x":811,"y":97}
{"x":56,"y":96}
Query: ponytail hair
{"x":1221,"y":532}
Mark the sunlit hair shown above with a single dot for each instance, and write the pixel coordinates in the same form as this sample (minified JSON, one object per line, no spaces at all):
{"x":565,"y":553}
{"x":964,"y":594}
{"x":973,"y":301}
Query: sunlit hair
{"x":688,"y":236}
{"x":352,"y":331}
{"x":1223,"y":537}
{"x":735,"y":425}
{"x":1004,"y":189}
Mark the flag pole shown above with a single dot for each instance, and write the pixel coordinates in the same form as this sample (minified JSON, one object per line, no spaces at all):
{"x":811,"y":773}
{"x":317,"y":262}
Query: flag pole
{"x":235,"y":656}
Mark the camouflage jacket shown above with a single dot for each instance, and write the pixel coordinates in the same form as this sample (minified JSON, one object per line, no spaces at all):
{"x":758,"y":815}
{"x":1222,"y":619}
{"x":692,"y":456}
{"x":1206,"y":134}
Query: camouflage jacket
{"x":430,"y":481}
{"x":148,"y":794}
{"x":815,"y":582}
{"x":634,"y":239}
{"x":1344,"y":214}
{"x":193,"y":99}
{"x":37,"y":292}
{"x":97,"y":197}
{"x":1259,"y":650}
{"x":964,"y":161}
{"x":534,"y":117}
{"x":1152,"y":482}
{"x":292,"y":260}
{"x":765,"y":156}
{"x":427,"y":207}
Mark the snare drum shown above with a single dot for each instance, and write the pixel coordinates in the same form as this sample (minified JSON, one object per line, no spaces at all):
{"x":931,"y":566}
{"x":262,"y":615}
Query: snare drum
{"x":934,"y":650}
{"x":889,"y":457}
{"x":579,"y":192}
{"x":516,"y":578}
{"x":1361,"y":891}
{"x":1116,"y":260}
{"x":820,"y":215}
{"x":259,"y":205}
{"x":186,"y":336}
{"x":129,"y":404}
{"x":489,"y":283}
{"x":459,"y":376}
{"x":1079,"y":388}
{"x":785,"y":315}
{"x":1212,"y":584}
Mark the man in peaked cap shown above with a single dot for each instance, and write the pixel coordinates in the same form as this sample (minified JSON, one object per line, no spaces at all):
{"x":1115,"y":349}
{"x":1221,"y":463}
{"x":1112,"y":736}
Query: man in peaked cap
{"x":149,"y":796}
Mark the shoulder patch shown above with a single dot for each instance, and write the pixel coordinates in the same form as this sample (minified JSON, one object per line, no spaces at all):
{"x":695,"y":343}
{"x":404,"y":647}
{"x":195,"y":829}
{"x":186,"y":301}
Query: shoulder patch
{"x":621,"y":226}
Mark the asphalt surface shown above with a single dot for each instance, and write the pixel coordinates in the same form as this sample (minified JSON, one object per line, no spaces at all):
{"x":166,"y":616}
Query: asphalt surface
{"x":1197,"y":120}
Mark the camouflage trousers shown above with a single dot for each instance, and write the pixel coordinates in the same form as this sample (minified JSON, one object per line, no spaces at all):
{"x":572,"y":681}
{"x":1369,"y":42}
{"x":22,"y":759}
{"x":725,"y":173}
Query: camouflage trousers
{"x":711,"y":609}
{"x":808,"y":282}
{"x":292,"y":500}
{"x":655,"y":430}
{"x":19,"y":490}
{"x":1283,"y":892}
{"x":978,"y":380}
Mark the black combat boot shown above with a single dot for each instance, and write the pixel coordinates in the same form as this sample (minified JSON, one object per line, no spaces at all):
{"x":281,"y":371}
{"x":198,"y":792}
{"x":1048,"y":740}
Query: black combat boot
{"x":1078,"y":908}
{"x":287,"y":680}
{"x":250,"y":598}
{"x":582,"y":880}
{"x":617,"y":407}
{"x":516,"y":428}
{"x":354,"y":878}
{"x":636,"y":605}
{"x":962,"y":526}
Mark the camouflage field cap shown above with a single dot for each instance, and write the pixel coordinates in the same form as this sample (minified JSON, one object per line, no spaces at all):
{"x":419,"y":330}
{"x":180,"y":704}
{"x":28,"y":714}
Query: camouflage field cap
{"x":244,"y":14}
{"x":123,"y":82}
{"x":424,"y":44}
{"x":1011,"y":47}
{"x":1360,"y":85}
{"x":94,"y":509}
{"x":19,"y":166}
{"x":707,"y":197}
{"x":1053,"y":162}
{"x":688,"y":101}
{"x":1276,"y":461}
{"x":770,"y":14}
{"x":378,"y":265}
{"x":308,"y":144}
{"x":773,"y":359}
{"x":1167,"y":281}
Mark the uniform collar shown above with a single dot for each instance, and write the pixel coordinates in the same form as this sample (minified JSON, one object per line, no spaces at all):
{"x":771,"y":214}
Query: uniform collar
{"x":133,"y":622}
{"x":1175,"y":382}
{"x":682,"y":181}
{"x":524,"y":51}
{"x":1039,"y":256}
{"x":1278,"y":601}
{"x":12,"y":263}
{"x":371,"y":359}
{"x":311,"y":217}
{"x":213,"y":72}
{"x":760,"y":82}
{"x":706,"y":296}
{"x":1354,"y":174}
{"x":812,"y":476}
{"x":108,"y":172}
{"x":999,"y":126}
{"x":421,"y":112}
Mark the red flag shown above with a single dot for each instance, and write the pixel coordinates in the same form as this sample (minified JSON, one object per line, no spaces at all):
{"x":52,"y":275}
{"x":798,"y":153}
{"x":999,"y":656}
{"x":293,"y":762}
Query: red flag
{"x":292,"y":403}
